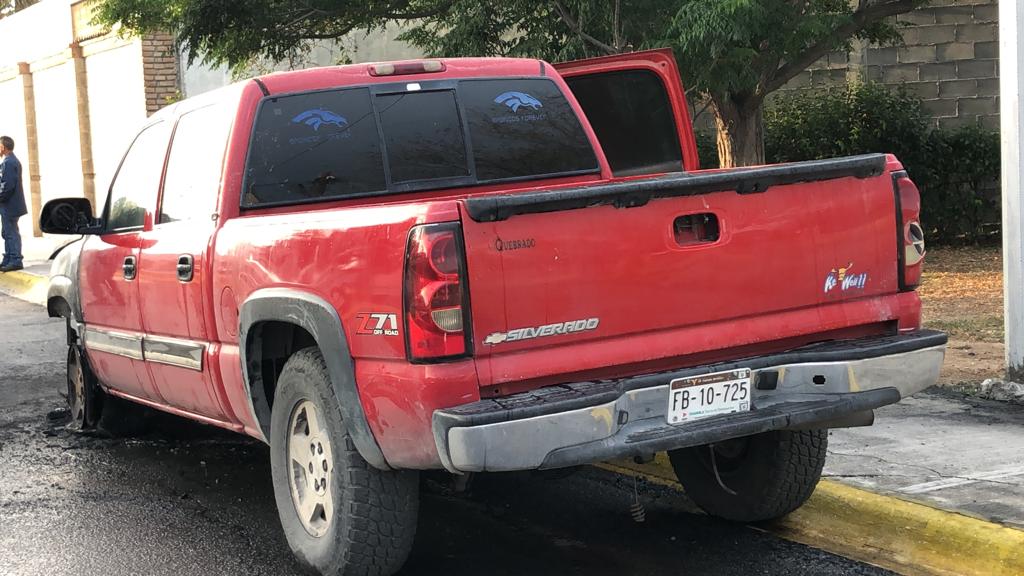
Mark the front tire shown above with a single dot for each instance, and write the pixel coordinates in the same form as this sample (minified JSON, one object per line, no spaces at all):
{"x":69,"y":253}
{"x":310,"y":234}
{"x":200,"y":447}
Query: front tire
{"x":91,"y":408}
{"x":85,"y":399}
{"x":339,"y":514}
{"x":766,"y":476}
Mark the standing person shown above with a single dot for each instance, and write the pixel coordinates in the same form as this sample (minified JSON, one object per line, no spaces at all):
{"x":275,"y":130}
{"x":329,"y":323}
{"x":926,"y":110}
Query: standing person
{"x":12,"y":205}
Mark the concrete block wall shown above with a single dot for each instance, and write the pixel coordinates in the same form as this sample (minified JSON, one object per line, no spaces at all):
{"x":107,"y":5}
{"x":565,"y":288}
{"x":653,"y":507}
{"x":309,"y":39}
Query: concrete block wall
{"x":949,"y":59}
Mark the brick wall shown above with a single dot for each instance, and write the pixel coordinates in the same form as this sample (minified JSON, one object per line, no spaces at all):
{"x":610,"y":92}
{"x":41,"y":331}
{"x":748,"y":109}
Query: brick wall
{"x":949,"y":59}
{"x":160,"y":68}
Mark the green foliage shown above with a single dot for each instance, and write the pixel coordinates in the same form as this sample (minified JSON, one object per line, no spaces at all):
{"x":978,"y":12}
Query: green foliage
{"x":954,"y":169}
{"x":735,"y":46}
{"x":238,"y":32}
{"x":739,"y":46}
{"x":961,"y":201}
{"x":859,"y":118}
{"x":735,"y":52}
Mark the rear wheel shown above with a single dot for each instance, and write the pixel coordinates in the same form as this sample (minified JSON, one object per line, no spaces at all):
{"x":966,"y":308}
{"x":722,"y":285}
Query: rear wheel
{"x":339,"y":514}
{"x":754,"y":478}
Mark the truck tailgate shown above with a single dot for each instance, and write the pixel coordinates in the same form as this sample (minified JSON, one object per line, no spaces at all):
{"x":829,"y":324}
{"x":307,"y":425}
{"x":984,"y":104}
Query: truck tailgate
{"x":617,"y":275}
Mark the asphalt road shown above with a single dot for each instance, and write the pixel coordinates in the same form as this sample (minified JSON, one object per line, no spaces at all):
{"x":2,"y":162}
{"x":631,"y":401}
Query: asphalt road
{"x":194,"y":500}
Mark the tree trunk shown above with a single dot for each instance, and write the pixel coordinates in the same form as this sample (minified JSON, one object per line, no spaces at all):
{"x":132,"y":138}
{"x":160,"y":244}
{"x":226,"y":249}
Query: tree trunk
{"x":740,"y":132}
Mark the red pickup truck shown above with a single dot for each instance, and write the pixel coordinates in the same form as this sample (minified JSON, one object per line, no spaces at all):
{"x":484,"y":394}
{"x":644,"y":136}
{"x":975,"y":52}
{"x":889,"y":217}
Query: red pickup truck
{"x":487,"y":265}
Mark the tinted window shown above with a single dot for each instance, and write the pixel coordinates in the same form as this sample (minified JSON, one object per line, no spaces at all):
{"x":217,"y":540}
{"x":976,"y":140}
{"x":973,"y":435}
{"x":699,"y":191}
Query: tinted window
{"x":423,"y":135}
{"x":631,"y":115}
{"x":138,"y":179}
{"x":316,"y":145}
{"x":523,"y":127}
{"x":194,"y":166}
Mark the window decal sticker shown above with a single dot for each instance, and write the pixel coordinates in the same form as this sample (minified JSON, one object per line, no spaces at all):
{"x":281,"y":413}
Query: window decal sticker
{"x":317,"y":117}
{"x":517,"y":100}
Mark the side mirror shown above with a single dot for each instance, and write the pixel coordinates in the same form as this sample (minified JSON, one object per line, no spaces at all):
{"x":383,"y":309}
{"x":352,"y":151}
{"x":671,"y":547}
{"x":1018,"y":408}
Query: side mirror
{"x":69,"y":216}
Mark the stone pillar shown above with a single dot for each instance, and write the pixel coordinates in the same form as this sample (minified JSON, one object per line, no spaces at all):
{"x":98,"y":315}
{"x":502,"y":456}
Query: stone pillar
{"x":31,"y":145}
{"x":1011,"y":58}
{"x":84,"y":124}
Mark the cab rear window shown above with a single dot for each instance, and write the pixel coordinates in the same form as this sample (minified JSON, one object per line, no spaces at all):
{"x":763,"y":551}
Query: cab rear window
{"x":368,"y":141}
{"x":523,"y":128}
{"x":311,"y":146}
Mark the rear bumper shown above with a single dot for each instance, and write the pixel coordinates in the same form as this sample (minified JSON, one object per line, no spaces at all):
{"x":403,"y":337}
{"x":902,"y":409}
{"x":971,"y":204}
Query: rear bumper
{"x":586,"y":422}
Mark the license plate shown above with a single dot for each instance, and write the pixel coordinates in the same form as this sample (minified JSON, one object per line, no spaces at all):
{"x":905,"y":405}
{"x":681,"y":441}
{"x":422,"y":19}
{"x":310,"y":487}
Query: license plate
{"x":708,"y":395}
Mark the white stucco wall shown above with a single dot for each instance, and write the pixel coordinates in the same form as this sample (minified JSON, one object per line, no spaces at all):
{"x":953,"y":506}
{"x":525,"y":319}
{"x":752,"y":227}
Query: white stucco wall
{"x":36,"y":32}
{"x":117,"y":108}
{"x":12,"y":123}
{"x":60,"y":162}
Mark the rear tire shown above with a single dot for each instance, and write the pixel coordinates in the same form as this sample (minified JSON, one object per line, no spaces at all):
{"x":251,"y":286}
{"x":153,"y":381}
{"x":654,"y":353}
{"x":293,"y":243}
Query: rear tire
{"x":339,"y":514}
{"x":770,"y":474}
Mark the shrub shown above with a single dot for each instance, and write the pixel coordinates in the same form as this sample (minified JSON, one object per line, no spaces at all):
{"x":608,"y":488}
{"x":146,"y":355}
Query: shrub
{"x":955,"y":170}
{"x":960,"y":200}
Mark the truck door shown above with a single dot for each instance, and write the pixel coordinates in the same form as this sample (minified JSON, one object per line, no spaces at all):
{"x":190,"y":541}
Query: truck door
{"x":173,"y":263}
{"x":109,"y":286}
{"x":637,"y":107}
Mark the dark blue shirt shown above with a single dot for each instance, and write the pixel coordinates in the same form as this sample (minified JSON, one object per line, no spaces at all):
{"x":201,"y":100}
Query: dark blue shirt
{"x":12,"y":195}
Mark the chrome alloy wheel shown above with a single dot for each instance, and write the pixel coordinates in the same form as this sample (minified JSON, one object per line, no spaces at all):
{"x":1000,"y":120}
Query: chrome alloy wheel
{"x":309,"y":457}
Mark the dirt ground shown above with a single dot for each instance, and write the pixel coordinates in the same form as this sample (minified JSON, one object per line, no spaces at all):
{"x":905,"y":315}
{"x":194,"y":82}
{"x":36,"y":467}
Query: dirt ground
{"x":962,"y":293}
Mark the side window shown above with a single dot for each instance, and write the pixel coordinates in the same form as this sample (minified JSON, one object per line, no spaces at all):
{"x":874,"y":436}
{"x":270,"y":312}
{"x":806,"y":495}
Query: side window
{"x":632,"y":117}
{"x":524,"y":128}
{"x":194,"y":166}
{"x":313,"y":146}
{"x":358,"y":142}
{"x":138,"y":179}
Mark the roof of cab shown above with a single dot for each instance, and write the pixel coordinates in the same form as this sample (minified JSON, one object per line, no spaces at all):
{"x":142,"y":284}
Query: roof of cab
{"x":357,"y":74}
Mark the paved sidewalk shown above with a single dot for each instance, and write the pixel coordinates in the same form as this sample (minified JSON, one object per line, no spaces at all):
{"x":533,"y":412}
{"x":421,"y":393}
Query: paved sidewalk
{"x":949,"y":451}
{"x":29,"y":284}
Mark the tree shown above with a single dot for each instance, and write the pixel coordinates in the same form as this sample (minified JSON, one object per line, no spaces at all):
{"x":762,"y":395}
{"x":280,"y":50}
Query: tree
{"x":733,"y":52}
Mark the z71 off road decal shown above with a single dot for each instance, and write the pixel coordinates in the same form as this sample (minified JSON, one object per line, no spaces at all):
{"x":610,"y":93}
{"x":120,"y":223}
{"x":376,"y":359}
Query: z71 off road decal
{"x":377,"y":324}
{"x":541,"y":331}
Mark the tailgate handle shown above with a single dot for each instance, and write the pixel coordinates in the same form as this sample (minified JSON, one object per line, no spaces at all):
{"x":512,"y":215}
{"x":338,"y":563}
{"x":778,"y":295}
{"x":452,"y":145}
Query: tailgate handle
{"x":692,"y":229}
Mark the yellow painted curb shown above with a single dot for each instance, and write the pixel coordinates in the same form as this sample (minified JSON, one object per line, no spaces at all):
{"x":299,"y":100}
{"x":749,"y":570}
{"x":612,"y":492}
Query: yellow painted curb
{"x":25,"y":286}
{"x":906,"y":537}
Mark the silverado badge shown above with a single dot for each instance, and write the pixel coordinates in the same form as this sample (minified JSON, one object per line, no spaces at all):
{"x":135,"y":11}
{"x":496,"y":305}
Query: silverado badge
{"x":541,"y":331}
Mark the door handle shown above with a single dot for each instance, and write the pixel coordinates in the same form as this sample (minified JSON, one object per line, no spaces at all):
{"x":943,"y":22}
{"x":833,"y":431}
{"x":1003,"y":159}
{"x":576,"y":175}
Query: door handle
{"x":185,"y":268}
{"x":129,"y":268}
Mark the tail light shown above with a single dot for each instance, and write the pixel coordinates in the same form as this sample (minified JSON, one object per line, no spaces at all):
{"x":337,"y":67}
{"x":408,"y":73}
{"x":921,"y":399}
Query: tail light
{"x":910,"y":233}
{"x":436,"y":294}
